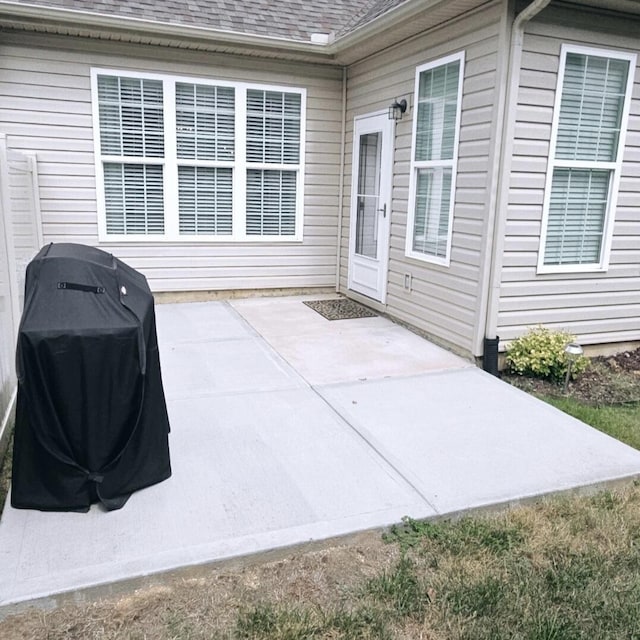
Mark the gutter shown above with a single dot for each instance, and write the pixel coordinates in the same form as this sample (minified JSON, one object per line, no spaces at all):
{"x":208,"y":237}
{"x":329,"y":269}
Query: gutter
{"x":491,"y":340}
{"x":75,"y":18}
{"x":326,"y":50}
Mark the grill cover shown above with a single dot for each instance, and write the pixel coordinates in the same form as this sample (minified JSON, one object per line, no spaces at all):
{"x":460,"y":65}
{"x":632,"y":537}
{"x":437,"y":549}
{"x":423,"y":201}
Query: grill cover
{"x":91,"y":419}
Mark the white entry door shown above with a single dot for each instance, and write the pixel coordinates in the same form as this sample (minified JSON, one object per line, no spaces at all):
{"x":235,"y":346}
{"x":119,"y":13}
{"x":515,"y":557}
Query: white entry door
{"x":371,"y":205}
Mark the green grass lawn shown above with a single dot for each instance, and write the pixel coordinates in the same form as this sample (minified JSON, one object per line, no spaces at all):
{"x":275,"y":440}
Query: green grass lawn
{"x":621,"y":421}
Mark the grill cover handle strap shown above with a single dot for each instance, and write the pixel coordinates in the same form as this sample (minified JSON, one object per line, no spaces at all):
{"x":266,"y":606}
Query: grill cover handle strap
{"x":80,"y":287}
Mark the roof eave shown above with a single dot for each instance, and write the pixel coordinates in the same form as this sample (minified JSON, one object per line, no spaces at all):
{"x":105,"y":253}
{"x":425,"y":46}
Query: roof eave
{"x":37,"y":15}
{"x":344,"y":50}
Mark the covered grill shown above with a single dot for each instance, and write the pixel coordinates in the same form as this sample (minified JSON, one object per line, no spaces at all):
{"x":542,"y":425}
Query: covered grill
{"x":91,"y":419}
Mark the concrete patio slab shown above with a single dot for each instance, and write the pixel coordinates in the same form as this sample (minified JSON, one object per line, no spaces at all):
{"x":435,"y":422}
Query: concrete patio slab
{"x":463,"y":439}
{"x":288,"y":428}
{"x":250,"y":472}
{"x":325,"y":351}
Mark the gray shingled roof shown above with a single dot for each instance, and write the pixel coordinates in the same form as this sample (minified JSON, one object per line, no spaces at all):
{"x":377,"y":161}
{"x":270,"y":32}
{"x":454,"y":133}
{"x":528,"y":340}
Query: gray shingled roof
{"x":290,"y":19}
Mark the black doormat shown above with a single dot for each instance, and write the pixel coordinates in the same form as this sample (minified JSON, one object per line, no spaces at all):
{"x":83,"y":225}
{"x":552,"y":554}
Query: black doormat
{"x":340,"y":309}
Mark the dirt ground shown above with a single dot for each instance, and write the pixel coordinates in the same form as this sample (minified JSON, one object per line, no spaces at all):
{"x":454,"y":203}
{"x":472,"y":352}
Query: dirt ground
{"x":609,"y":380}
{"x":207,"y":605}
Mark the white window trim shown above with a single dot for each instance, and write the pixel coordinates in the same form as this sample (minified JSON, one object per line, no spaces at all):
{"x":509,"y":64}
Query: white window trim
{"x":615,"y":167}
{"x":171,"y":162}
{"x":453,"y":163}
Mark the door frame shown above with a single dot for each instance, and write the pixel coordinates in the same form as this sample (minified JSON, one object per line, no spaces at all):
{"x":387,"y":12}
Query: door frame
{"x":363,"y":124}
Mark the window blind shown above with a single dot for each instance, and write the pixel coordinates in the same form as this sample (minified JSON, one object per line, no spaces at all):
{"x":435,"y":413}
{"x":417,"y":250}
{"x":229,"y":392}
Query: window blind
{"x":576,"y":216}
{"x":433,"y":201}
{"x":436,"y":129}
{"x":205,"y":121}
{"x":273,"y":127}
{"x":273,"y":138}
{"x":437,"y":112}
{"x":177,"y":158}
{"x":585,"y":158}
{"x":271,"y":202}
{"x":134,"y":198}
{"x":205,"y":200}
{"x":131,"y":117}
{"x":593,"y":94}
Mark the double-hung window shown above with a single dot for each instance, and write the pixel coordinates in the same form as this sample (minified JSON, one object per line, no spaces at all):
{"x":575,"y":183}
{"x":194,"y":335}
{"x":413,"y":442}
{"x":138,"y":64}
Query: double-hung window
{"x":587,"y":144}
{"x":185,"y":158}
{"x":436,"y":127}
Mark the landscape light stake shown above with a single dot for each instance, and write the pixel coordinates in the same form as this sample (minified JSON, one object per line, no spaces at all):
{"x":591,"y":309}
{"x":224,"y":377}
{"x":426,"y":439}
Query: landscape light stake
{"x":573,"y":351}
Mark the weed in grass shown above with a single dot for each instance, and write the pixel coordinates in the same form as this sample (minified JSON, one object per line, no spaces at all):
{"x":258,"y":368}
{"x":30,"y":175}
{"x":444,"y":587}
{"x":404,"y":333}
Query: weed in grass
{"x":284,"y":623}
{"x":268,"y":621}
{"x":606,"y":500}
{"x":550,"y":625}
{"x":401,"y":589}
{"x":481,"y":598}
{"x":360,"y":624}
{"x":569,"y":575}
{"x":462,"y":536}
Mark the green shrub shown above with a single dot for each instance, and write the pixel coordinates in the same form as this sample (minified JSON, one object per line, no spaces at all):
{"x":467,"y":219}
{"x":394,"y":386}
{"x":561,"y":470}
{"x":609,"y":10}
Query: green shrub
{"x":539,"y":353}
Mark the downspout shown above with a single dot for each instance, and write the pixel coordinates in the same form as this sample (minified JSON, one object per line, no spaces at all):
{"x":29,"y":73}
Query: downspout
{"x":343,"y":137}
{"x":492,"y":340}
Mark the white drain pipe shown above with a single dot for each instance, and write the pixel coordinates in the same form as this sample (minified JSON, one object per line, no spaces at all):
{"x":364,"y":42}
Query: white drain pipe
{"x":343,"y":141}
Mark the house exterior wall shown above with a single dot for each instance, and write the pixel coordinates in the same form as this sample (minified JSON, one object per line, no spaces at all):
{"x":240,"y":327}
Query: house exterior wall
{"x":45,"y":108}
{"x":597,"y":307}
{"x":444,"y":301}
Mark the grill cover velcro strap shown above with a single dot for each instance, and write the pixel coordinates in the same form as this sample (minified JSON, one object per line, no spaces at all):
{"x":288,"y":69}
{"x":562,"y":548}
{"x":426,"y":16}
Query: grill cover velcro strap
{"x":80,"y":287}
{"x":91,"y":419}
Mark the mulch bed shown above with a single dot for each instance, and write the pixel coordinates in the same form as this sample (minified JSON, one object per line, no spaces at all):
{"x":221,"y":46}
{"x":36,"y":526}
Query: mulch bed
{"x":609,"y":380}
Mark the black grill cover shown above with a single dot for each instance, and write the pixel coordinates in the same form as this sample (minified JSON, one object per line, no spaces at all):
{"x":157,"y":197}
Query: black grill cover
{"x":91,"y":419}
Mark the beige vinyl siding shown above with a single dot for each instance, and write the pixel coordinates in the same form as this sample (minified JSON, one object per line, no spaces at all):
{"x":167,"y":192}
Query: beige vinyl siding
{"x":443,"y":301}
{"x":45,"y":108}
{"x":597,"y":307}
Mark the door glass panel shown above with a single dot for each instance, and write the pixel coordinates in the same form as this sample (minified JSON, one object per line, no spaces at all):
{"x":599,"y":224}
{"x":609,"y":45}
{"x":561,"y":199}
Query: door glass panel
{"x":368,"y":195}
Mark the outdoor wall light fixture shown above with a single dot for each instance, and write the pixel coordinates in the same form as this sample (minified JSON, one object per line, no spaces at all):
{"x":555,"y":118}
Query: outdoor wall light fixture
{"x":573,"y":351}
{"x":397,"y":109}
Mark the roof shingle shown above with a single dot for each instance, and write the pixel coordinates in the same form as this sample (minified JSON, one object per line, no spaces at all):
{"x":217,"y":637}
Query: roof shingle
{"x":289,"y":19}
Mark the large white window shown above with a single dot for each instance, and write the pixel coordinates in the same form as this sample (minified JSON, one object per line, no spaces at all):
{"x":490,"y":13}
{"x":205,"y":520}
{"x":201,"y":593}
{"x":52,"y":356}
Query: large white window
{"x":587,"y":144}
{"x":187,"y":158}
{"x":436,"y":124}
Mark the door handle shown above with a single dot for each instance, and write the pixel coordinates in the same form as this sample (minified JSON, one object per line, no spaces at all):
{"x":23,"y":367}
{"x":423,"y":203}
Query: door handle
{"x":384,"y":210}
